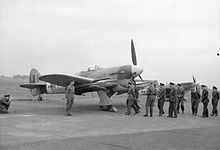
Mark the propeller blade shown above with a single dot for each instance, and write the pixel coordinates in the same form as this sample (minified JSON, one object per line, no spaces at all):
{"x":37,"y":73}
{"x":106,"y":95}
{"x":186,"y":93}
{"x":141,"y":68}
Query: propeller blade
{"x":194,"y":79}
{"x":133,"y":54}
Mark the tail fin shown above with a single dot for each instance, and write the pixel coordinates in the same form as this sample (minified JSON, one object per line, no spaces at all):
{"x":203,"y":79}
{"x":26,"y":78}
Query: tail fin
{"x":34,"y":76}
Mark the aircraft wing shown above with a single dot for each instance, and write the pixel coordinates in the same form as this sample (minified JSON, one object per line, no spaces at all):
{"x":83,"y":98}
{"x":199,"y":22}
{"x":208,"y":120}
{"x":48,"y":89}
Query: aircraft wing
{"x":32,"y":85}
{"x":63,"y":80}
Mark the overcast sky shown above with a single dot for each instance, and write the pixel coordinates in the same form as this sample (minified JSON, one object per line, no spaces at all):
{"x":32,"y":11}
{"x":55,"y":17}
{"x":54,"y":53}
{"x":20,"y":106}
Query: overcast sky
{"x":174,"y":39}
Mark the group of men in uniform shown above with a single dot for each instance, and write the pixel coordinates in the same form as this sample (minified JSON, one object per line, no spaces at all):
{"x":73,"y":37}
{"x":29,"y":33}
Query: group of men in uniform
{"x":205,"y":101}
{"x":176,"y":100}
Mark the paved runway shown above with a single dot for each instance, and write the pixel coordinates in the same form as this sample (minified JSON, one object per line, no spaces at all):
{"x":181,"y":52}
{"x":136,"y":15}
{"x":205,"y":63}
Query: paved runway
{"x":42,"y":125}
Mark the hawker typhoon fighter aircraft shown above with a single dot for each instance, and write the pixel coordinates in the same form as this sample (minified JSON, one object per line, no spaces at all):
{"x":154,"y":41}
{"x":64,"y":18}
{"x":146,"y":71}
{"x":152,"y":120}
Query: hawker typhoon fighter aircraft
{"x":105,"y":81}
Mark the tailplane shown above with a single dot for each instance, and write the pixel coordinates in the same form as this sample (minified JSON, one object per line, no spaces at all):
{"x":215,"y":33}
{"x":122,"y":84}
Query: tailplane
{"x":34,"y":76}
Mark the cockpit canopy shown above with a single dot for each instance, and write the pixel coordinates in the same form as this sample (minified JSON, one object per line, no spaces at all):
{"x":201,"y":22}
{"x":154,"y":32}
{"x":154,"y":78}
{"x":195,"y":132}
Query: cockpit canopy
{"x":94,"y":68}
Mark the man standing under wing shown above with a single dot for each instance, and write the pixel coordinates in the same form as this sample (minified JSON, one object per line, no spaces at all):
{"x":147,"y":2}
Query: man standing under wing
{"x":69,"y":94}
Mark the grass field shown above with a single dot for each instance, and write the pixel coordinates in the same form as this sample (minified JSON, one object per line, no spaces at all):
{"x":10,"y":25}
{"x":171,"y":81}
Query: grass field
{"x":11,"y":86}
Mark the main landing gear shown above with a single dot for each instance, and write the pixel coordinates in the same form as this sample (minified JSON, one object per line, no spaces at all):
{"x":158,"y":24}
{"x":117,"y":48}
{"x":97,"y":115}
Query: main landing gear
{"x":108,"y":108}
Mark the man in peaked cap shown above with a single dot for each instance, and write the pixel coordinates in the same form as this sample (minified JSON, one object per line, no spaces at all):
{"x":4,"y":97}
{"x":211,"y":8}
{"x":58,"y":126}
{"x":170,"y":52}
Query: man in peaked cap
{"x":173,"y":101}
{"x":180,"y":95}
{"x":69,"y":94}
{"x":215,"y":99}
{"x":195,"y":96}
{"x":161,"y":99}
{"x":205,"y":101}
{"x":131,"y":99}
{"x":5,"y":103}
{"x":151,"y":97}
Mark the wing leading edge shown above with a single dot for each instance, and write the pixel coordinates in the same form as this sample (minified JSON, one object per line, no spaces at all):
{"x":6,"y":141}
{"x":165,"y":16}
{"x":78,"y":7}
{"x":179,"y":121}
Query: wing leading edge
{"x":32,"y":85}
{"x":63,"y":80}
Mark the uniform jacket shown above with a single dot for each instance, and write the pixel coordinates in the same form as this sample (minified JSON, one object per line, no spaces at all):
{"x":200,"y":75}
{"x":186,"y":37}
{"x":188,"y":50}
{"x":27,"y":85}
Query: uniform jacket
{"x":180,"y":93}
{"x":151,"y":93}
{"x":215,"y":96}
{"x":205,"y":98}
{"x":131,"y":93}
{"x":195,"y":96}
{"x":173,"y":95}
{"x":70,"y":90}
{"x":161,"y":94}
{"x":4,"y":103}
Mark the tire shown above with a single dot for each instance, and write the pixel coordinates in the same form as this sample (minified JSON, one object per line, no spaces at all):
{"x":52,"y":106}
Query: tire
{"x":105,"y":108}
{"x":40,"y":98}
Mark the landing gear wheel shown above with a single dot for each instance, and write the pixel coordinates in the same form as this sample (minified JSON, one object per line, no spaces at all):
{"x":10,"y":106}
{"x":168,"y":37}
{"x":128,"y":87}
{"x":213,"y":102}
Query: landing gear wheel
{"x":40,"y":98}
{"x":108,"y":108}
{"x":105,"y":108}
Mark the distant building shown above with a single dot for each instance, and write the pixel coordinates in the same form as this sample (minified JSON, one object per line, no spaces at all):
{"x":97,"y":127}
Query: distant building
{"x":20,"y":77}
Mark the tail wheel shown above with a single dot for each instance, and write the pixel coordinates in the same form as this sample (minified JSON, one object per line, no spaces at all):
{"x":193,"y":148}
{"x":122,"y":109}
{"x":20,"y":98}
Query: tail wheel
{"x":40,"y":98}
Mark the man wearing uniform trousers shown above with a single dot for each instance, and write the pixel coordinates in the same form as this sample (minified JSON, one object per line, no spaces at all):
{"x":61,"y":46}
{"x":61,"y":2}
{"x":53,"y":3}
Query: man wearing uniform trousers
{"x":173,"y":102}
{"x":136,"y":99}
{"x":131,"y":99}
{"x":180,"y":95}
{"x":215,"y":99}
{"x":205,"y":101}
{"x":195,"y":96}
{"x":4,"y":104}
{"x":69,"y":94}
{"x":151,"y":97}
{"x":161,"y":99}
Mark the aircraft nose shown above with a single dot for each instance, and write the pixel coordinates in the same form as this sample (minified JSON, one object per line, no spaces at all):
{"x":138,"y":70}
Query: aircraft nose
{"x":136,"y":71}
